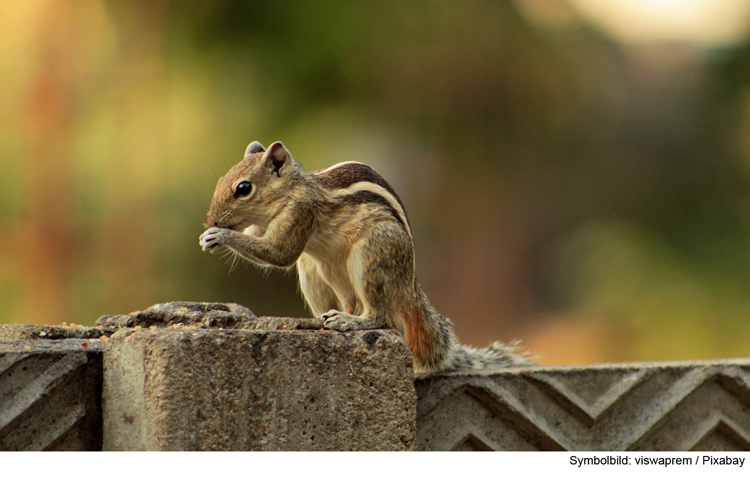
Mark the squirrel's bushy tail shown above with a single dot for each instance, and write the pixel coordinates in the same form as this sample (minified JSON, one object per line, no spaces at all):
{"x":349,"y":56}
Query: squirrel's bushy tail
{"x":450,"y":356}
{"x":497,"y":355}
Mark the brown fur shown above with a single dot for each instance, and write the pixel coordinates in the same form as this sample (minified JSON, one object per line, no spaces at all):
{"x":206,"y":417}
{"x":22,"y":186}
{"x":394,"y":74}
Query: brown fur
{"x":347,"y":231}
{"x":417,"y":337}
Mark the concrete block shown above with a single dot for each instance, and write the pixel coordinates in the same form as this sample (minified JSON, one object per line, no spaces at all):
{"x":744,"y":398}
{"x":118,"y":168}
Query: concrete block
{"x":702,"y":405}
{"x":283,"y":389}
{"x":51,"y":376}
{"x":50,"y":390}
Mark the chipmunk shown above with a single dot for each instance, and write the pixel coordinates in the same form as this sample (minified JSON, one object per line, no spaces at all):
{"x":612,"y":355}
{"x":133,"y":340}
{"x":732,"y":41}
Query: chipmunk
{"x":346,"y":229}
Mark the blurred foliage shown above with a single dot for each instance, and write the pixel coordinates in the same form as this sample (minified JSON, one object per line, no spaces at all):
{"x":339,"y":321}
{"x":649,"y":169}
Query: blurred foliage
{"x":585,"y":195}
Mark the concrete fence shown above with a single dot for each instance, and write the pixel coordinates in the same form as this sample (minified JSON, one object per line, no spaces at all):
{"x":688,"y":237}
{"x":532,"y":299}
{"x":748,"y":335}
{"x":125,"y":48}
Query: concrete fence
{"x":196,"y":376}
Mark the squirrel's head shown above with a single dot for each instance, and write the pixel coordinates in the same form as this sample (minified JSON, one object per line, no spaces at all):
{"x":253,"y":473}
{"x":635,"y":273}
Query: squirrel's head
{"x":255,"y":189}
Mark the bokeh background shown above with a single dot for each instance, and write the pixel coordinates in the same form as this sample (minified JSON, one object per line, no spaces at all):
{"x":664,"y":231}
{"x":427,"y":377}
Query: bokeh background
{"x":576,"y":172}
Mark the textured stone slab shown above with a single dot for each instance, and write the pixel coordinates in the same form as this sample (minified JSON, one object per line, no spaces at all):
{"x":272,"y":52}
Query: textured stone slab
{"x":50,"y":391}
{"x":200,"y":314}
{"x":198,"y":389}
{"x":11,"y":333}
{"x":658,"y":406}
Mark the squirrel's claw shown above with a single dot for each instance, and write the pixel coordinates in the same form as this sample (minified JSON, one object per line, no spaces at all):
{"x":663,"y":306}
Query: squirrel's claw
{"x":210,"y":239}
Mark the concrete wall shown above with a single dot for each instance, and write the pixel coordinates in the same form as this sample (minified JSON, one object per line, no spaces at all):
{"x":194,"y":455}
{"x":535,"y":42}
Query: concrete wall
{"x":649,"y":406}
{"x":50,"y":395}
{"x":214,"y":377}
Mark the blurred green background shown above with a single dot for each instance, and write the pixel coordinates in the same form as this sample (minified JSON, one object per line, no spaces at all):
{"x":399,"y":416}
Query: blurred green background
{"x":576,"y":172}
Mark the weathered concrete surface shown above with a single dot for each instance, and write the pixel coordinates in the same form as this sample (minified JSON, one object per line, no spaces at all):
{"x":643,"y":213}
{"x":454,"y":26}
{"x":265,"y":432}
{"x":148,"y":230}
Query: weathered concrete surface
{"x":51,"y":376}
{"x":50,"y":390}
{"x":51,"y":383}
{"x":214,"y":376}
{"x":647,"y":406}
{"x":203,"y":314}
{"x":199,"y":389}
{"x":12,"y":333}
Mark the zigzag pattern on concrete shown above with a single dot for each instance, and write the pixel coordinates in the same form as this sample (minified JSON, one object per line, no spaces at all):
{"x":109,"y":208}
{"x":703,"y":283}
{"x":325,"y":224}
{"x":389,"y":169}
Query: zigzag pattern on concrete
{"x":50,"y":397}
{"x":667,"y":406}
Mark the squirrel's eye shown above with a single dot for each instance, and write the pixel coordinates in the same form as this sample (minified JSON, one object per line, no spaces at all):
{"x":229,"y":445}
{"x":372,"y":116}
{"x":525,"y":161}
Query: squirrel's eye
{"x":243,"y":189}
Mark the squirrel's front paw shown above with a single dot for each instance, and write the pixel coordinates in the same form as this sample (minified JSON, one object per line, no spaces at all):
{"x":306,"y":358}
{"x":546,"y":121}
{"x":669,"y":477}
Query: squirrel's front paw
{"x":336,"y":320}
{"x":344,"y":322}
{"x":212,"y":238}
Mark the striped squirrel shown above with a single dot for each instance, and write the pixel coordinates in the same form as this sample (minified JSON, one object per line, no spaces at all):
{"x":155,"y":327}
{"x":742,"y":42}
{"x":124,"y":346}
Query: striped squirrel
{"x":347,"y":231}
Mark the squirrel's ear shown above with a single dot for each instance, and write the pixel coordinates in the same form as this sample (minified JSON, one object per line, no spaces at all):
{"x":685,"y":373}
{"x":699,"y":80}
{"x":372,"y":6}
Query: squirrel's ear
{"x":277,"y":156}
{"x":254,"y":147}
